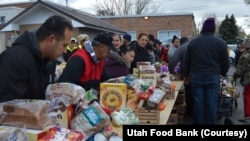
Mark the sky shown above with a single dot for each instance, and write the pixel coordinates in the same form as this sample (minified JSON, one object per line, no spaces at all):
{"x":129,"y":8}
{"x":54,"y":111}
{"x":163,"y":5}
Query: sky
{"x":200,"y":8}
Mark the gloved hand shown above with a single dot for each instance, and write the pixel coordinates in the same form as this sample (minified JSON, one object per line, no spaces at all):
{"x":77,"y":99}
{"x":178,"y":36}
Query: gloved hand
{"x":232,"y":81}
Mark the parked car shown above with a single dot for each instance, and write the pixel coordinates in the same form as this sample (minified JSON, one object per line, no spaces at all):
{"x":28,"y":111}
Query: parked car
{"x":232,"y":46}
{"x":231,"y":55}
{"x":165,"y":42}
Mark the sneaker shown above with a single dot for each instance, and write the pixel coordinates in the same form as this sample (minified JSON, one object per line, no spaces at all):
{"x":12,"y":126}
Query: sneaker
{"x":244,"y":119}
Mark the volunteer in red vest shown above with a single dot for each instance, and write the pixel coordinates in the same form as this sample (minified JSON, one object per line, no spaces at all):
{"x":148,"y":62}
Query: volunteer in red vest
{"x":86,"y":66}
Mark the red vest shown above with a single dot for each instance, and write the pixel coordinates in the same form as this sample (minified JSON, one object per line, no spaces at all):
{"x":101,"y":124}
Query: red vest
{"x":91,"y":71}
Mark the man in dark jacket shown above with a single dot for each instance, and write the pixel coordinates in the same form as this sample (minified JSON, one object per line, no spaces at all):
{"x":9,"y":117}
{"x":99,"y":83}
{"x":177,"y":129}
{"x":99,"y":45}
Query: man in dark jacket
{"x":86,"y":66}
{"x":179,"y":56}
{"x":205,"y":61}
{"x":23,"y":67}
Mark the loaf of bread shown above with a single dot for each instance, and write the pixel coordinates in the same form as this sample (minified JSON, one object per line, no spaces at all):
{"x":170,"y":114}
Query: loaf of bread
{"x":75,"y":92}
{"x":31,"y":114}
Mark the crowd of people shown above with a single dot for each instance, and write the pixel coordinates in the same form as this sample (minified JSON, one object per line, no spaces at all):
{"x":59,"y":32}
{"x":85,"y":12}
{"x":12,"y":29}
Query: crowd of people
{"x":203,"y":60}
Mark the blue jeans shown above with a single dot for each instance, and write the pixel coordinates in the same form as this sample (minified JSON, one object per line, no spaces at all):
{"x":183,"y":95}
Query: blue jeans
{"x":205,"y":90}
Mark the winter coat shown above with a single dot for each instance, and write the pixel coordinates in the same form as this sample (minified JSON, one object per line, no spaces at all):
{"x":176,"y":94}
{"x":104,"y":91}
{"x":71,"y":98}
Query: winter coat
{"x":178,"y":56}
{"x":116,"y":66}
{"x":141,"y":55}
{"x":23,"y":70}
{"x":81,"y":69}
{"x":243,"y":68}
{"x":206,"y":54}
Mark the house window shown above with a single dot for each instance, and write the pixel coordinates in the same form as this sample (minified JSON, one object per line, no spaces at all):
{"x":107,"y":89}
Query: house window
{"x":166,"y":36}
{"x":133,"y":35}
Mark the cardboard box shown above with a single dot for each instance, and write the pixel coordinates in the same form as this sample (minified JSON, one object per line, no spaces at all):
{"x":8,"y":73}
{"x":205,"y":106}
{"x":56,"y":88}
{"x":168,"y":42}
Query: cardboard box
{"x":148,"y":75}
{"x":138,"y":64}
{"x":136,"y":72}
{"x":32,"y":135}
{"x":113,"y":95}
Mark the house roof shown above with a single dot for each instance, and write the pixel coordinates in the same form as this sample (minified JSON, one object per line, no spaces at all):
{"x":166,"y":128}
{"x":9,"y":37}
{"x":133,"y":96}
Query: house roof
{"x":20,"y":4}
{"x":150,"y":15}
{"x":88,"y":20}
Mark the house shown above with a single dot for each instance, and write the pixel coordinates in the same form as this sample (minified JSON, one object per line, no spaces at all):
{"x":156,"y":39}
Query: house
{"x":33,"y":16}
{"x":162,"y":26}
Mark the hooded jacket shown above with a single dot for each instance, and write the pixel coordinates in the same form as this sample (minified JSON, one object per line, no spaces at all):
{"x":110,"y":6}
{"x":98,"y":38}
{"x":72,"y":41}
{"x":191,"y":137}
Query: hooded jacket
{"x":116,"y":66}
{"x":23,"y":71}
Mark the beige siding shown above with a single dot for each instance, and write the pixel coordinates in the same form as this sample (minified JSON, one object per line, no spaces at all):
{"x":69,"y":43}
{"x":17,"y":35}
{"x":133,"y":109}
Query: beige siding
{"x":2,"y":42}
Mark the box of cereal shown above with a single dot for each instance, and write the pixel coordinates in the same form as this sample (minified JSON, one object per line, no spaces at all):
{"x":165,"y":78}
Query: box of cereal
{"x":113,"y":95}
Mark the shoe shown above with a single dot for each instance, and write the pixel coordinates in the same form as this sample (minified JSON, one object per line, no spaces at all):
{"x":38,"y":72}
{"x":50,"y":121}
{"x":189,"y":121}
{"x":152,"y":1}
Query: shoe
{"x":244,"y":119}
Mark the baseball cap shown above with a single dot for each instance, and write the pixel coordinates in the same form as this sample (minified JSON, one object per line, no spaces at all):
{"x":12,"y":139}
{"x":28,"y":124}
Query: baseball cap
{"x":157,"y":41}
{"x":105,"y":38}
{"x":127,"y":37}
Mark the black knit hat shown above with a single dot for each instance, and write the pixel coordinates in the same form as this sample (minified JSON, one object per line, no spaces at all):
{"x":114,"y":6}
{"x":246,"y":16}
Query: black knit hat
{"x":151,"y":37}
{"x":208,"y":25}
{"x":157,"y":41}
{"x":105,"y":38}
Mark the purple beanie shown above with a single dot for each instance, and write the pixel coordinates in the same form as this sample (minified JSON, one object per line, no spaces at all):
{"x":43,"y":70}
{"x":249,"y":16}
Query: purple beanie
{"x":209,"y":25}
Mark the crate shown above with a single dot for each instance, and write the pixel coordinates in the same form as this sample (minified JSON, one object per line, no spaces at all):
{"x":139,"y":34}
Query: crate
{"x":181,"y":98}
{"x":147,"y":116}
{"x":173,"y":118}
{"x":181,"y":108}
{"x":170,"y":95}
{"x":180,"y":119}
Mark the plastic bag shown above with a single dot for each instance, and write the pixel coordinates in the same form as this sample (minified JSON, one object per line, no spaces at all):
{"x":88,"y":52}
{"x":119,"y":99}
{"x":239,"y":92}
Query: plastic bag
{"x":74,"y":92}
{"x":124,"y":116}
{"x":90,"y":121}
{"x":13,"y":134}
{"x":234,"y":92}
{"x":21,"y":113}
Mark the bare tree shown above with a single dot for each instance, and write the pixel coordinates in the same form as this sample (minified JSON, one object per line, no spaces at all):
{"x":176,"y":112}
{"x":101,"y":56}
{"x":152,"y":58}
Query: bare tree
{"x":141,"y":6}
{"x":124,"y":8}
{"x":247,"y":2}
{"x":121,"y":7}
{"x":105,"y":8}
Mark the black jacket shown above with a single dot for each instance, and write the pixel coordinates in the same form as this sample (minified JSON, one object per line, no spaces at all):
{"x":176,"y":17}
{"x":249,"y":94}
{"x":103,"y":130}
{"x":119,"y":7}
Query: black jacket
{"x":179,"y":56}
{"x":206,"y":54}
{"x":141,"y":55}
{"x":23,"y":71}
